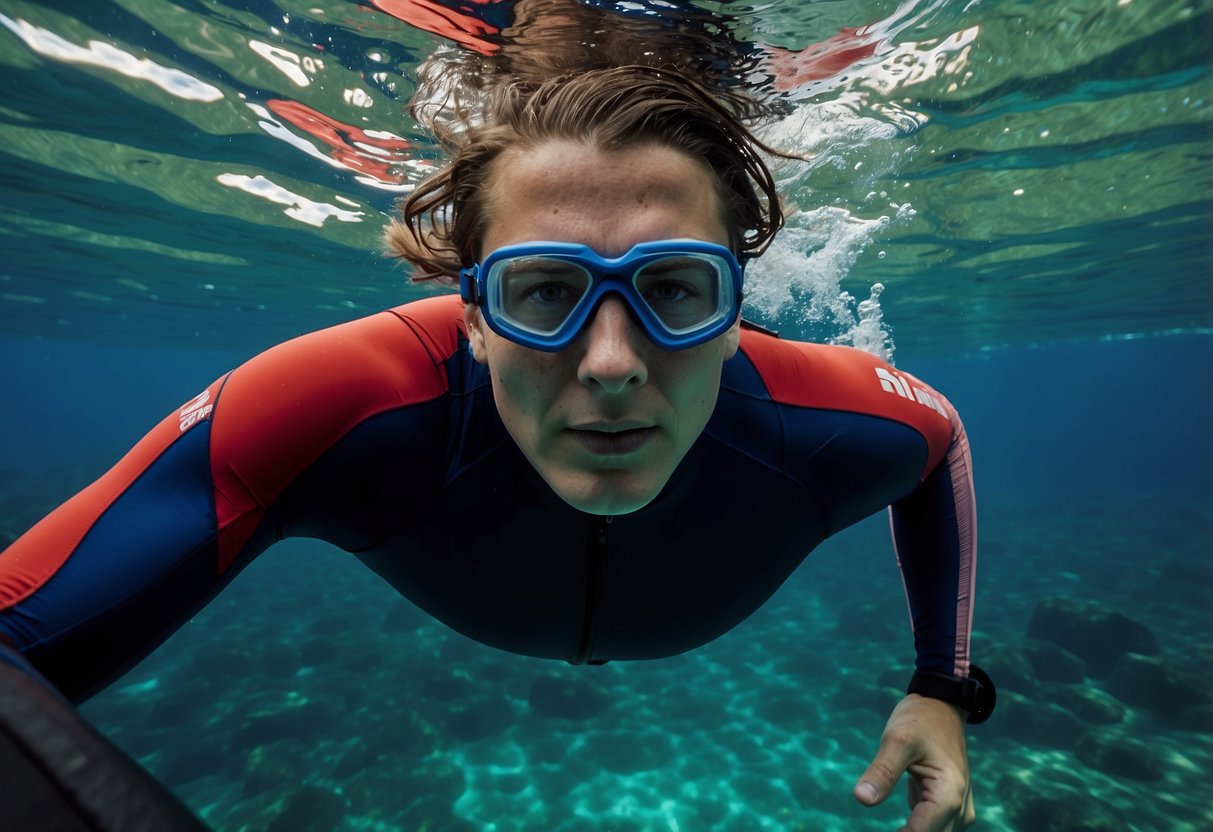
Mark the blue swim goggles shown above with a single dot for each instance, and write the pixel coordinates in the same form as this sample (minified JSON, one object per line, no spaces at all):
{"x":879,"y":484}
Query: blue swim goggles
{"x":541,"y":295}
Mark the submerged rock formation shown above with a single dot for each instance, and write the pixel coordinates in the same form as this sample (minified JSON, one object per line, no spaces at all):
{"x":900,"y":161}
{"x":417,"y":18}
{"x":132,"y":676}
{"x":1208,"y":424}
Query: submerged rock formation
{"x":1095,"y":632}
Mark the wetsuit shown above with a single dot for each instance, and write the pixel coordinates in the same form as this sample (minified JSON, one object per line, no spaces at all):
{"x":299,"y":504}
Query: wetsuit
{"x":382,"y":437}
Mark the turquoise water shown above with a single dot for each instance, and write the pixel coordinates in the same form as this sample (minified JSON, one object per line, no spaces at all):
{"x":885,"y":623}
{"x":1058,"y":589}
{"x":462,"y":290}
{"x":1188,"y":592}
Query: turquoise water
{"x":1030,"y":184}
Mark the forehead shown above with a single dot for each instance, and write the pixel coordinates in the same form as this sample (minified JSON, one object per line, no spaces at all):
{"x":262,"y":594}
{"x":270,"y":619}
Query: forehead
{"x":607,"y":199}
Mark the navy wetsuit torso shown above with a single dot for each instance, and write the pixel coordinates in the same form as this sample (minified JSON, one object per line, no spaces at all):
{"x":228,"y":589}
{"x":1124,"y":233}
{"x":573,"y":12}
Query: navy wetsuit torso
{"x":381,"y":436}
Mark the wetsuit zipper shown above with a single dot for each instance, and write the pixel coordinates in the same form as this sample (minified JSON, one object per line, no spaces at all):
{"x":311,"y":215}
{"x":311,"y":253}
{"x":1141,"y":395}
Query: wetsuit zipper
{"x":597,"y":571}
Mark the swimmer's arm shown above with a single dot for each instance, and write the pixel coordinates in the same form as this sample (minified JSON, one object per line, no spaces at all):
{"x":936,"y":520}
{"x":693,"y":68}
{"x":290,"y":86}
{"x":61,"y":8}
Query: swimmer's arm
{"x":109,"y":575}
{"x":935,"y":537}
{"x":100,"y":581}
{"x":935,"y":534}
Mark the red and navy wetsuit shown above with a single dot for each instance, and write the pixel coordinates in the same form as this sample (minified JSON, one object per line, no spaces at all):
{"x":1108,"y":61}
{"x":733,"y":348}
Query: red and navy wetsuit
{"x":382,"y":437}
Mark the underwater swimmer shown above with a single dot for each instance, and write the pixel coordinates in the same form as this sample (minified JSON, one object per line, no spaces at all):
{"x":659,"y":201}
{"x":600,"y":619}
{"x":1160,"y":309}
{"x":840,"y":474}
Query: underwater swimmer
{"x":569,"y":460}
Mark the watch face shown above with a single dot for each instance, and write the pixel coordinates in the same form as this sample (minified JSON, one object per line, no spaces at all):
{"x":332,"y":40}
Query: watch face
{"x":985,"y":695}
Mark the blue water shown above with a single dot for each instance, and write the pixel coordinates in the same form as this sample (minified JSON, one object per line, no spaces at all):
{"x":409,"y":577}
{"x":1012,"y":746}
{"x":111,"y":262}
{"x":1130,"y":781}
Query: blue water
{"x":1094,"y":461}
{"x":1069,"y":324}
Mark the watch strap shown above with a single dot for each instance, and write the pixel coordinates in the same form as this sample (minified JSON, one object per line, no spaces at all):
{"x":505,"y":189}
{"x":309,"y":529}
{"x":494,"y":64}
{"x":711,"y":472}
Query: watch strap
{"x":975,"y":694}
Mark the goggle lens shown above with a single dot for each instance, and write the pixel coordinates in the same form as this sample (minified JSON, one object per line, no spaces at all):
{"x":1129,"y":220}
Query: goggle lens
{"x":539,"y":294}
{"x":682,"y":292}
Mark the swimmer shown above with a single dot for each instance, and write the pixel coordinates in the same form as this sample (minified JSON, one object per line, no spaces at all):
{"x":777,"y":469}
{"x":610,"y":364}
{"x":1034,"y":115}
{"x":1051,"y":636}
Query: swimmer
{"x":568,"y":458}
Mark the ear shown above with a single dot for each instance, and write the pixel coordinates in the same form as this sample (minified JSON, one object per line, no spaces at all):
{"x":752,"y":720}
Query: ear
{"x":732,"y":340}
{"x":474,"y":324}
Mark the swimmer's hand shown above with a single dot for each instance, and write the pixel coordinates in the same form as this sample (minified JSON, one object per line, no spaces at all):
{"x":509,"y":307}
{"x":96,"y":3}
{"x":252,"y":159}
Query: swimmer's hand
{"x":926,"y":738}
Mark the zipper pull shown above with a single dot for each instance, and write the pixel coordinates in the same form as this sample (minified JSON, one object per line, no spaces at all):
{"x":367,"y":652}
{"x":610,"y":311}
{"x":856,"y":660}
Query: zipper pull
{"x":603,"y":526}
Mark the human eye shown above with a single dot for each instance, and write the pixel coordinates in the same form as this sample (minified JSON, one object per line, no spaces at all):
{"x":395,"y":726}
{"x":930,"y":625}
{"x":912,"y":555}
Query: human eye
{"x":547,"y":292}
{"x":677,"y":280}
{"x":542,"y":281}
{"x":670,"y":291}
{"x":682,"y":291}
{"x":539,"y":293}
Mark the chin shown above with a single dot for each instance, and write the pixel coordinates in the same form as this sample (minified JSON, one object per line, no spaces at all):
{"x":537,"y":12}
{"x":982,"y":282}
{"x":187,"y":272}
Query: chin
{"x":610,"y":508}
{"x":609,"y":500}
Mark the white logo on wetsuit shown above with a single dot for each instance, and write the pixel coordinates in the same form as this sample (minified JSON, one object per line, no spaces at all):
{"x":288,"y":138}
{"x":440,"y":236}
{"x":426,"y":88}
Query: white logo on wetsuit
{"x":196,"y":410}
{"x":896,"y":383}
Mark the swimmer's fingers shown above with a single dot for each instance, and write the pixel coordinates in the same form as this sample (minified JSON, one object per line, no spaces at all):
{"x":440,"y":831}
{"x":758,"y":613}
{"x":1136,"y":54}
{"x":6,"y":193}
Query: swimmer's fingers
{"x":924,"y":737}
{"x":935,"y":808}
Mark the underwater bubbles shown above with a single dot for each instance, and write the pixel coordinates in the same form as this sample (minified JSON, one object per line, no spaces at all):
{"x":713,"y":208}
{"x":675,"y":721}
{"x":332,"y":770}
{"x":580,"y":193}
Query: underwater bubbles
{"x":850,"y":148}
{"x":798,"y":281}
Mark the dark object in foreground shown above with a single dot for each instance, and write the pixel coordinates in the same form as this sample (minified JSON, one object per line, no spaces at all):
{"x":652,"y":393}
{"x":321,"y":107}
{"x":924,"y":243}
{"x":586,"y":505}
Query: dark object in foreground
{"x":61,"y":774}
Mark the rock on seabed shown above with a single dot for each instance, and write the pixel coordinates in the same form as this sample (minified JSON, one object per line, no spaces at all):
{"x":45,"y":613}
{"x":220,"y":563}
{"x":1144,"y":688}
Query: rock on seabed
{"x":1095,"y":632}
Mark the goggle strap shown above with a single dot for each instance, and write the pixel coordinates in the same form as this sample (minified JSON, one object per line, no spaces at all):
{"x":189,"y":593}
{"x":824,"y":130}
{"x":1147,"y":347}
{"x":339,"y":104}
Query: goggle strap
{"x":467,"y":285}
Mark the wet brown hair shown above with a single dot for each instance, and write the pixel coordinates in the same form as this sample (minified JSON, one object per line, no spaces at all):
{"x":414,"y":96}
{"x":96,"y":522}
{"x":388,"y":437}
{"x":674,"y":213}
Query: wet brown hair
{"x":442,"y":222}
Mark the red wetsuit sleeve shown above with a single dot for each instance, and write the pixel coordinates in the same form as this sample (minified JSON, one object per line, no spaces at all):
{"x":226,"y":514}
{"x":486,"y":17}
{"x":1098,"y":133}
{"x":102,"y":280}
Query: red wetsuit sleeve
{"x":31,"y":560}
{"x":934,"y":525}
{"x":282,"y":411}
{"x":107,"y":576}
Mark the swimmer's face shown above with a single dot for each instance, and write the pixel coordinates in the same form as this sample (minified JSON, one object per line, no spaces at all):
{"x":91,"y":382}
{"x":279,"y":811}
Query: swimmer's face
{"x":606,"y":421}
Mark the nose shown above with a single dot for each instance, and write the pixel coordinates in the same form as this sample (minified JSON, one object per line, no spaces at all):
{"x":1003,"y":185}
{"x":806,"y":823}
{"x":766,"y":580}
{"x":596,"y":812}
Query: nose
{"x":613,"y":359}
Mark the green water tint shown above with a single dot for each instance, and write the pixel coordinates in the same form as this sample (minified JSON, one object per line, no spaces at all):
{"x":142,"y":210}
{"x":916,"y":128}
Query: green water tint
{"x":1019,"y":171}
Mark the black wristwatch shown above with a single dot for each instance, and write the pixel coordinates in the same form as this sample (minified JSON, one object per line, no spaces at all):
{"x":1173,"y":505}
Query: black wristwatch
{"x":975,"y":694}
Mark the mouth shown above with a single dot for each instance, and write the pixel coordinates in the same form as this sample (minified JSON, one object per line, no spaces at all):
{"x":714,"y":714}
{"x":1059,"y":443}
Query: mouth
{"x":613,"y":439}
